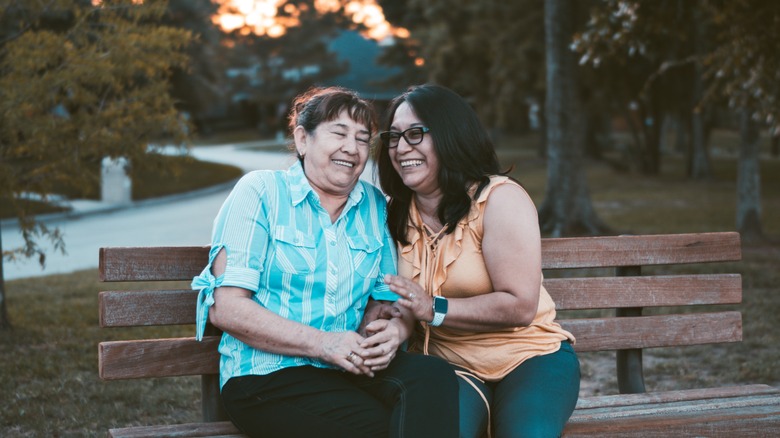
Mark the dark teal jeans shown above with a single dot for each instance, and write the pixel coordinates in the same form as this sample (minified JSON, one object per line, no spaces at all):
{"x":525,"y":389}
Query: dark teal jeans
{"x":534,"y":400}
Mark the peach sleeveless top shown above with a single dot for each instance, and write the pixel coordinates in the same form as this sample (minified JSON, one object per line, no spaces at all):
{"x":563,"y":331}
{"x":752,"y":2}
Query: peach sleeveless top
{"x":452,"y":266}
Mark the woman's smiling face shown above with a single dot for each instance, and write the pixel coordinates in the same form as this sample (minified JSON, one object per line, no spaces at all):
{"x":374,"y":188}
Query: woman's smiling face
{"x":417,"y":164}
{"x":335,"y":154}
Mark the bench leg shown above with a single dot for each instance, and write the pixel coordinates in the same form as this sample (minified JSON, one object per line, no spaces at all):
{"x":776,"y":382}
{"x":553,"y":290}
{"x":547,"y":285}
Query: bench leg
{"x":211,"y":402}
{"x":631,"y":378}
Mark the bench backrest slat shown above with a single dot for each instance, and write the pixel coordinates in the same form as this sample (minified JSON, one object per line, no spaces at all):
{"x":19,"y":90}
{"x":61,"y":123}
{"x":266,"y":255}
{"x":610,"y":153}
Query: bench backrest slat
{"x":147,"y":307}
{"x":161,"y":263}
{"x":648,"y":250}
{"x":650,"y":291}
{"x":597,"y":334}
{"x":166,"y":357}
{"x":158,"y":358}
{"x":183,"y":263}
{"x":173,"y":307}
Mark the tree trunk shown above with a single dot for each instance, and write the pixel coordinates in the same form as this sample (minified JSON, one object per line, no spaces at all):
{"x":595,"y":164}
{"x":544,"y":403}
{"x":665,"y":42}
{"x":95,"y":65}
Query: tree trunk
{"x":749,"y":181}
{"x":700,"y":158}
{"x":567,"y":208}
{"x":541,"y":148}
{"x":651,"y":127}
{"x":5,"y":323}
{"x":681,"y":133}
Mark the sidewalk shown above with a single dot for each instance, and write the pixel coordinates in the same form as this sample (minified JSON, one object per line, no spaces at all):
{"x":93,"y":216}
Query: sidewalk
{"x":182,"y":219}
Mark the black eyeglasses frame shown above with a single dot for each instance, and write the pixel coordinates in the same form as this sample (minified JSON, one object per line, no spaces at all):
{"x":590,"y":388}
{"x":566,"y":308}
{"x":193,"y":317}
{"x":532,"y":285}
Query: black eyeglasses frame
{"x":386,"y":136}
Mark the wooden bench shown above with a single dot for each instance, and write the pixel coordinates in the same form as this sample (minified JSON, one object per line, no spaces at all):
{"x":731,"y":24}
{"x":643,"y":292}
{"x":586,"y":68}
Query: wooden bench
{"x":749,"y":410}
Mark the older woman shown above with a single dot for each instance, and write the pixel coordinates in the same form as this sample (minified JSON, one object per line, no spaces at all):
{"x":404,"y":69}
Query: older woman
{"x":295,"y":257}
{"x":470,"y":269}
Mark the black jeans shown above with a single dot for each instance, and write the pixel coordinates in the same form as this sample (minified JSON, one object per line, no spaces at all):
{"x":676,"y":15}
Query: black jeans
{"x":416,"y":396}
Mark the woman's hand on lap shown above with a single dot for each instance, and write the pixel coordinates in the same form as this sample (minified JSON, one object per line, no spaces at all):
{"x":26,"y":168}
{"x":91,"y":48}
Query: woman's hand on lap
{"x":344,"y":350}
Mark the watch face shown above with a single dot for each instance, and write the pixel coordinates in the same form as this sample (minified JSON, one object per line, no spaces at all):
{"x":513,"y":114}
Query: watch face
{"x":440,"y":305}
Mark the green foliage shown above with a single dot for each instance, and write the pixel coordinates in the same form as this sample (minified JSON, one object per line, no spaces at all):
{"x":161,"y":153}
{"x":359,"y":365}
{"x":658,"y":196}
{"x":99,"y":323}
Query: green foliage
{"x":491,"y":52}
{"x":745,"y":66}
{"x":642,"y":56}
{"x":740,"y":59}
{"x":198,"y":86}
{"x":78,"y":83}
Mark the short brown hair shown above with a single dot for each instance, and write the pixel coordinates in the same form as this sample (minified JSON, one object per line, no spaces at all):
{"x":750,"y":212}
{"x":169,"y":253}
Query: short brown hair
{"x":318,"y":105}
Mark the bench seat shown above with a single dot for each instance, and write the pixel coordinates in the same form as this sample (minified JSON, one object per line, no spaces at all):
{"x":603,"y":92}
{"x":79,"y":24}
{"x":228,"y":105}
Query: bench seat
{"x":575,"y":278}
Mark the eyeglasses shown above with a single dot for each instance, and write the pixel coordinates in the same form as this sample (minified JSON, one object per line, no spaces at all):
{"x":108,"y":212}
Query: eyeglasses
{"x":412,"y":136}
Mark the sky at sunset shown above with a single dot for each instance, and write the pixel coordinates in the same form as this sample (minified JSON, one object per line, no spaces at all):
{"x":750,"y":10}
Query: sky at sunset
{"x":274,"y":17}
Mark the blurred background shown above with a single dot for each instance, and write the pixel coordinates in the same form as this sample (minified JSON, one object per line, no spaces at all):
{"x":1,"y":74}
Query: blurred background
{"x":126,"y":122}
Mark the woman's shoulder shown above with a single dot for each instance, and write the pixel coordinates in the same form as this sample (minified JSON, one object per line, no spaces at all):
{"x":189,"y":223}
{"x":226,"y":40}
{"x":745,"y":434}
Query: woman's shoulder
{"x":257,"y":178}
{"x":258,"y":175}
{"x":259,"y":182}
{"x":508,"y":184}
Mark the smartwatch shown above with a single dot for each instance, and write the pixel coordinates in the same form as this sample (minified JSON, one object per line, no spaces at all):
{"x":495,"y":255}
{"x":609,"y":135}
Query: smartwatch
{"x":439,"y":311}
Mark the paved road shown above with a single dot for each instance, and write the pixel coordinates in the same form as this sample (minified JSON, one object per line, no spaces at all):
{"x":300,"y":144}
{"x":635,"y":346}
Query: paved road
{"x":176,"y":220}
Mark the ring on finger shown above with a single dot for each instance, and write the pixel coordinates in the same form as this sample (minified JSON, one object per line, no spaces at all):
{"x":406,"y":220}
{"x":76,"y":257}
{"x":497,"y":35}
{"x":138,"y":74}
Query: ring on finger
{"x":411,"y":296}
{"x":351,"y":356}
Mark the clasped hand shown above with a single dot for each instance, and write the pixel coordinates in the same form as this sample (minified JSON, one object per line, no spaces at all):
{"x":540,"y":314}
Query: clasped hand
{"x":370,"y":350}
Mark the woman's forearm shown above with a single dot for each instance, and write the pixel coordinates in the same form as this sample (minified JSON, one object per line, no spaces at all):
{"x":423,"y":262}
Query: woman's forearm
{"x":234,"y":312}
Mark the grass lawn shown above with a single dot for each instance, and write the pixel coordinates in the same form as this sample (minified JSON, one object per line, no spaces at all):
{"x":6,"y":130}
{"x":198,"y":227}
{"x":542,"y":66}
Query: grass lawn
{"x":50,"y":384}
{"x":186,"y":174}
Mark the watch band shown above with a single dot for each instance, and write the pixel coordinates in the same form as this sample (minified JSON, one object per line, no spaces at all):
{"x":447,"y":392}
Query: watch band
{"x":440,"y":306}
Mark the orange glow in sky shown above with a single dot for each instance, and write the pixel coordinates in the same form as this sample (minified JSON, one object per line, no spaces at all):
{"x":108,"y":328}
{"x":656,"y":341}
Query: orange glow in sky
{"x":261,"y":17}
{"x":98,"y":2}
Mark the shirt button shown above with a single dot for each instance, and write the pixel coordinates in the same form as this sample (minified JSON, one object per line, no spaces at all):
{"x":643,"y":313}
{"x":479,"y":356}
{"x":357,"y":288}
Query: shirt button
{"x":332,"y":243}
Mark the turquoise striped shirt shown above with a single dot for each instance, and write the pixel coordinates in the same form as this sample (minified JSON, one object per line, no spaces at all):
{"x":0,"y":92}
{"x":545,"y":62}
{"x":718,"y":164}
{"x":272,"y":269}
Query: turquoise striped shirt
{"x":282,"y":246}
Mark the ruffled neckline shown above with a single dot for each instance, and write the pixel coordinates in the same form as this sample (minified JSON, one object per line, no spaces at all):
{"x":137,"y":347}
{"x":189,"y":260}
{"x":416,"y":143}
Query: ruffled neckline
{"x":446,"y":247}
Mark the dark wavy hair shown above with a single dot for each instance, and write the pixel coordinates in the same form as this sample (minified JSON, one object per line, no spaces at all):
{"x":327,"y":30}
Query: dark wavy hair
{"x":464,"y":150}
{"x":323,"y":104}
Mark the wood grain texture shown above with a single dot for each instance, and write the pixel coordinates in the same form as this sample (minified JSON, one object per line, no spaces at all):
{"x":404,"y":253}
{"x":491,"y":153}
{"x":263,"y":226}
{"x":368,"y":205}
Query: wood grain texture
{"x":158,"y":358}
{"x":184,"y":262}
{"x":151,"y":263}
{"x":646,"y":250}
{"x":606,"y":401}
{"x":646,"y":291}
{"x":216,"y":429}
{"x":177,"y":306}
{"x":147,"y":307}
{"x":754,"y":415}
{"x":188,"y":357}
{"x":597,"y":334}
